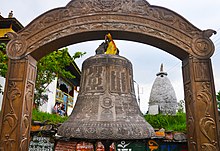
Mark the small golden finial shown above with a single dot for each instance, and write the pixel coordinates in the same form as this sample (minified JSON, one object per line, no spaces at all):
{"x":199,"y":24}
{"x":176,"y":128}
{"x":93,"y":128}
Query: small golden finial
{"x":10,"y":15}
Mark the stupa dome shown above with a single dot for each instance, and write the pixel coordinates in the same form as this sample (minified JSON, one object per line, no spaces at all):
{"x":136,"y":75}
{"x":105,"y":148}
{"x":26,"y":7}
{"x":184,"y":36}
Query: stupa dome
{"x":162,"y":97}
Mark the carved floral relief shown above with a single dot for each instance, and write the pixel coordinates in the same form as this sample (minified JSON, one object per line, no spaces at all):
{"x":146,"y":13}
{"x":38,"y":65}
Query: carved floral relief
{"x":26,"y":118}
{"x":190,"y":117}
{"x":10,"y":120}
{"x":207,"y":124}
{"x":17,"y":46}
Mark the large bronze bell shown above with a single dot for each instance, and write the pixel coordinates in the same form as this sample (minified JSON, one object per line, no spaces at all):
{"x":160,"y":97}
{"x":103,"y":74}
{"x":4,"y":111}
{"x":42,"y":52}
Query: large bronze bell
{"x":106,"y":107}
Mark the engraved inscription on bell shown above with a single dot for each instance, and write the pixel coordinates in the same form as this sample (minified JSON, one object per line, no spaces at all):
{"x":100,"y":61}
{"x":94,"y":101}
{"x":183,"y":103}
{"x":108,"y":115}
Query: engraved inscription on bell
{"x":94,"y":79}
{"x":106,"y":107}
{"x":118,"y":80}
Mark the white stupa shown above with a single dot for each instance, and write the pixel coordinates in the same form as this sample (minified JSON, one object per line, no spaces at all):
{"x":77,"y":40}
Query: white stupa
{"x":162,"y":97}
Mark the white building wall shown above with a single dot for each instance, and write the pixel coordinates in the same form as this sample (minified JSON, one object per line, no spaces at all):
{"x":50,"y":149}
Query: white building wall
{"x":75,"y":97}
{"x":2,"y":82}
{"x":47,"y":107}
{"x":70,"y":109}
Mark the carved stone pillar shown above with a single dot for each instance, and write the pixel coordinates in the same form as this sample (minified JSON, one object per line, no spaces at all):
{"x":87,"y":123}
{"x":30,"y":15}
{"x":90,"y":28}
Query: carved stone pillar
{"x":17,"y":104}
{"x":201,"y":105}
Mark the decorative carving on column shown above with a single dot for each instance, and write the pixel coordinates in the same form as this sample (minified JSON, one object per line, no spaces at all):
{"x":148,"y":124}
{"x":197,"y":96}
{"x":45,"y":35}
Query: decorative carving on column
{"x":17,"y":47}
{"x":208,"y":127}
{"x":10,"y":120}
{"x":26,"y":118}
{"x":200,"y":104}
{"x":205,"y":97}
{"x":207,"y":124}
{"x":202,"y":46}
{"x":190,"y":118}
{"x":17,"y":104}
{"x":12,"y":94}
{"x":202,"y":71}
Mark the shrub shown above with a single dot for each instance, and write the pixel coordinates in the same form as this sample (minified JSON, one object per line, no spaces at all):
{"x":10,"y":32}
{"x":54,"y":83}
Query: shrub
{"x":49,"y":118}
{"x":168,"y":122}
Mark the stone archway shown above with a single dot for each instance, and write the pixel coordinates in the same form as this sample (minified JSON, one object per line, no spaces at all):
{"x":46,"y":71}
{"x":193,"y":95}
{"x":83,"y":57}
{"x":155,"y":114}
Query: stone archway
{"x":130,"y":20}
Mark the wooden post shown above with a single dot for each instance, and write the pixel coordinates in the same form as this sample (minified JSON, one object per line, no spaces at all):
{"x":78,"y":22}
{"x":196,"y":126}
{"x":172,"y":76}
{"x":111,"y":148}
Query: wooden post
{"x":201,"y":105}
{"x":17,"y":104}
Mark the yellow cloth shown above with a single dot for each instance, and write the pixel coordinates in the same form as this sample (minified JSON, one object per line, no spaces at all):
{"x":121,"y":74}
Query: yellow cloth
{"x":111,"y":49}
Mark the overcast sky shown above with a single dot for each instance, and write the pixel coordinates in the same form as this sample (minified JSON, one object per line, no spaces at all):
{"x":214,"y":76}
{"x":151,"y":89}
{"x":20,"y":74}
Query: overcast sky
{"x":146,"y":60}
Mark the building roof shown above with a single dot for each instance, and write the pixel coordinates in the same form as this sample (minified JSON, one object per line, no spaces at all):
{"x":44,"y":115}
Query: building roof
{"x":8,"y":25}
{"x":7,"y":22}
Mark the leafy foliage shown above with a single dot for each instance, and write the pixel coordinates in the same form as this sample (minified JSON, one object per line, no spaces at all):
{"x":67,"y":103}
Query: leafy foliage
{"x":181,"y":106}
{"x":48,"y":68}
{"x":218,"y":100}
{"x":3,"y":62}
{"x":78,"y":55}
{"x":168,"y":122}
{"x":218,"y":96}
{"x":50,"y":118}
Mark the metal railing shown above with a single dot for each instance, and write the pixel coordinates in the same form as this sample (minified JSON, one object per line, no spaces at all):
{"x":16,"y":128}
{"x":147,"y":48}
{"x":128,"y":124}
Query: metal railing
{"x":60,"y":96}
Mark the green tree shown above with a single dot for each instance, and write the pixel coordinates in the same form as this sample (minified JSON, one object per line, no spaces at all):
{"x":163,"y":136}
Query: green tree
{"x":218,"y":100}
{"x":218,"y":96}
{"x":181,"y":106}
{"x":3,"y":60}
{"x":48,"y":68}
{"x":3,"y":63}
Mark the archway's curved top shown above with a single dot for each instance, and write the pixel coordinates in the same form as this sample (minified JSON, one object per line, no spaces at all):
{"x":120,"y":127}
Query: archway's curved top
{"x":83,"y":20}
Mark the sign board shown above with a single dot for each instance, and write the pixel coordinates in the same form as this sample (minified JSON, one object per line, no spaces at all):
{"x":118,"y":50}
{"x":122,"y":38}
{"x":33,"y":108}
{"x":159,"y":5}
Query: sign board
{"x":62,"y":145}
{"x":84,"y":146}
{"x":157,"y":145}
{"x":41,"y":144}
{"x":130,"y":146}
{"x":153,"y":110}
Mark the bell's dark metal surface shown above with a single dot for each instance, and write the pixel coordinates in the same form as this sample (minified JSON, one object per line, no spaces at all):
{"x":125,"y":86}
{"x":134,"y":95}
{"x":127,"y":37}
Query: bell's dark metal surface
{"x":106,"y":107}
